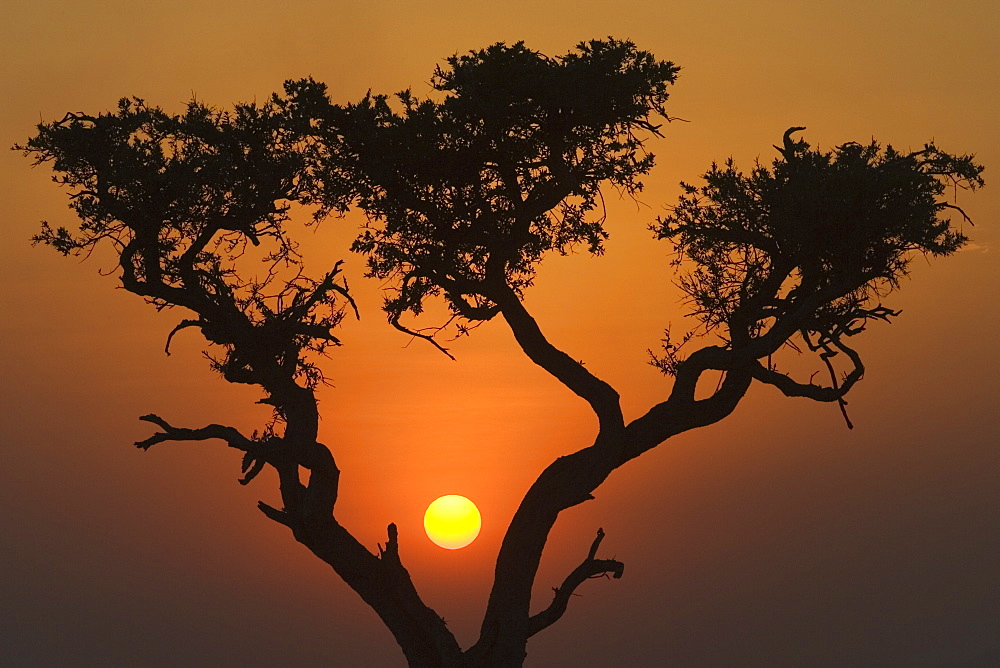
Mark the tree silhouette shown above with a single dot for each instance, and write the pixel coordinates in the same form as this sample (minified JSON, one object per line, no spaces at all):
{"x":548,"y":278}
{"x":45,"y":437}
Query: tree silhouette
{"x":465,"y":193}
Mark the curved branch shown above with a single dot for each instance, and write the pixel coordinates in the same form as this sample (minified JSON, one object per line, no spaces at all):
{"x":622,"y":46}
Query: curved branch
{"x":183,"y":324}
{"x":394,"y":321}
{"x":955,"y":207}
{"x":681,"y":412}
{"x":568,"y":481}
{"x":346,"y":293}
{"x":792,"y":388}
{"x":381,"y":580}
{"x":600,"y":395}
{"x":591,"y":567}
{"x":787,"y":148}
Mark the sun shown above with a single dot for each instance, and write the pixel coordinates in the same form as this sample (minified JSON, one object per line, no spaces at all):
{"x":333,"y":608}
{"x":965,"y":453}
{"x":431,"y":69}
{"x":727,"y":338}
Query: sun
{"x":452,"y":521}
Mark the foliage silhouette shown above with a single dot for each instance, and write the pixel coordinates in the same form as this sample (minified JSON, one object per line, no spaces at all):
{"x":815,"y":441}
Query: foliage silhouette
{"x":465,"y":194}
{"x":809,"y":247}
{"x":475,"y":189}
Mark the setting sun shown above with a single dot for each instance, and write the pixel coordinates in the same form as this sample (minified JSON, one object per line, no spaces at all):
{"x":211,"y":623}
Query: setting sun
{"x":452,"y":521}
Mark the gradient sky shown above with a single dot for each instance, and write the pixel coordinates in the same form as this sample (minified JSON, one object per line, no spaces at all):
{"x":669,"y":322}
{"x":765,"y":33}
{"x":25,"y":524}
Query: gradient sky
{"x":775,"y":537}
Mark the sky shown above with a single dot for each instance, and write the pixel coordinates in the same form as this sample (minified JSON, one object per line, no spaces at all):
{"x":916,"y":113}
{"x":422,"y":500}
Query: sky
{"x":776,"y":537}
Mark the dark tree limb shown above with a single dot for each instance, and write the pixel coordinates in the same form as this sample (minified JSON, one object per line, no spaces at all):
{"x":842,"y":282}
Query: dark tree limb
{"x":170,"y":433}
{"x":603,"y":398}
{"x":346,"y":294}
{"x":681,"y":412}
{"x":793,"y":388}
{"x":965,"y":216}
{"x":568,"y":481}
{"x":253,"y":464}
{"x":272,"y":513}
{"x":591,"y":567}
{"x":328,"y":284}
{"x":384,"y":583}
{"x":825,"y":356}
{"x":183,"y":324}
{"x":394,"y":321}
{"x":787,"y":148}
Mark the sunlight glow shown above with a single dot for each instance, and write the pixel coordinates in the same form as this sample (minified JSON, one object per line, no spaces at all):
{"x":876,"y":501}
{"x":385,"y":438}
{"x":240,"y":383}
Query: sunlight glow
{"x":452,"y":521}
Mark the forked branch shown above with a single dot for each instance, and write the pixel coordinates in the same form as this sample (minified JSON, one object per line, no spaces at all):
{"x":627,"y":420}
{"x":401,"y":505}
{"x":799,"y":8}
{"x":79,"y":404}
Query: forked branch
{"x":170,"y":433}
{"x":592,"y":567}
{"x":793,"y":388}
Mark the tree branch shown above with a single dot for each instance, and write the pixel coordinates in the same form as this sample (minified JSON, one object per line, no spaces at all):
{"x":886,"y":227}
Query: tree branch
{"x":170,"y":433}
{"x":299,"y":311}
{"x":272,"y":513}
{"x":793,"y":388}
{"x":965,"y":216}
{"x":394,"y":321}
{"x":602,"y":397}
{"x":383,"y":582}
{"x":183,"y":324}
{"x":591,"y":567}
{"x":681,"y":412}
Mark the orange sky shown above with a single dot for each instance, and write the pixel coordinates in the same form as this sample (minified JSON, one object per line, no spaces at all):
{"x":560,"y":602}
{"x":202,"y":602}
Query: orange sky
{"x":778,"y":530}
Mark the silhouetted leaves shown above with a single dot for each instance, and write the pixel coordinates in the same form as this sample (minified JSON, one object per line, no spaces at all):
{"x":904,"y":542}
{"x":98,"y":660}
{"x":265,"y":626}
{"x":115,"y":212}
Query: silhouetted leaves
{"x":181,"y":196}
{"x":812,"y":243}
{"x":472,"y":190}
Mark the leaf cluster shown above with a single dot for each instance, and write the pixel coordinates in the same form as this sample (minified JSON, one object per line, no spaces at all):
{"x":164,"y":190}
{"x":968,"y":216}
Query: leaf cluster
{"x":183,"y":197}
{"x":474,"y":189}
{"x":813,"y":242}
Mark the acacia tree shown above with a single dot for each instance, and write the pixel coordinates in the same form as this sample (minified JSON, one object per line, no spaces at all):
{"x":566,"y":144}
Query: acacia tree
{"x":465,"y":193}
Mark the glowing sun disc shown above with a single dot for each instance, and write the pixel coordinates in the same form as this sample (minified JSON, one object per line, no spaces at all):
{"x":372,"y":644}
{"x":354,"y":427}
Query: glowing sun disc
{"x":452,"y":521}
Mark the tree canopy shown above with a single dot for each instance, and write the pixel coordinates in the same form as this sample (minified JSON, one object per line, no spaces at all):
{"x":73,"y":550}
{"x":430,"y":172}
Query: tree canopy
{"x":181,"y":197}
{"x":465,"y":193}
{"x":809,"y":247}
